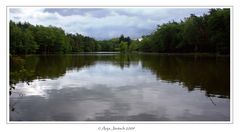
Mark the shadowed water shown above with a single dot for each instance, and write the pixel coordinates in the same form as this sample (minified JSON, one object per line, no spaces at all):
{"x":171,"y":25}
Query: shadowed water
{"x":117,"y":87}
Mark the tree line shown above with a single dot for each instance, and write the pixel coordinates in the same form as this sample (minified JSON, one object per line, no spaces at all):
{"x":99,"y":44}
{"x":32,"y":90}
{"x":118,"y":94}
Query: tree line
{"x":208,"y":33}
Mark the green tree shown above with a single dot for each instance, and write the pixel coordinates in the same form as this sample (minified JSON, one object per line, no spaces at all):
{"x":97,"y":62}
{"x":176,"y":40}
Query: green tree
{"x":219,"y":29}
{"x":134,"y":45}
{"x":21,"y":40}
{"x":123,"y":46}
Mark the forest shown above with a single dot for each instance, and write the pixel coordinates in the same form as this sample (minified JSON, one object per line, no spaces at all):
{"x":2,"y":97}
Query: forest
{"x":209,"y":33}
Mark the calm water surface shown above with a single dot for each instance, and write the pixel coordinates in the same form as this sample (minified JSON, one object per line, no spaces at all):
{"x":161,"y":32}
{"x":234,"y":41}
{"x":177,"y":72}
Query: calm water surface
{"x":114,"y":87}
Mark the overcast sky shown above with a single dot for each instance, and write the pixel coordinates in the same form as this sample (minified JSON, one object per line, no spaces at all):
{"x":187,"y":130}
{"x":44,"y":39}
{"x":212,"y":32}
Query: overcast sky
{"x":103,"y":23}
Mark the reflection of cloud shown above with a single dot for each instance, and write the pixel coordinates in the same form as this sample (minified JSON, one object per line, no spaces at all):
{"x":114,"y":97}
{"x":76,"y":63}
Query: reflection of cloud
{"x":94,"y":93}
{"x":30,"y":90}
{"x":103,"y":23}
{"x":90,"y":77}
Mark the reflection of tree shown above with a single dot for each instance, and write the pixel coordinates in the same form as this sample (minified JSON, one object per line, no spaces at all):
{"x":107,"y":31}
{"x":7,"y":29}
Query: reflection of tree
{"x":124,"y":60}
{"x":211,"y":74}
{"x":51,"y":66}
{"x":19,"y":72}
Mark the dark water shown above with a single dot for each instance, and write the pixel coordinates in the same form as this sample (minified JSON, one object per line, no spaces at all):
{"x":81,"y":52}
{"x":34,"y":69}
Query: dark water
{"x":114,"y":87}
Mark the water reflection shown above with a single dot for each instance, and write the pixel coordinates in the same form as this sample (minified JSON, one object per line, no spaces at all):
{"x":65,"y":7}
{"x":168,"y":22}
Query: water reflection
{"x":116,"y":87}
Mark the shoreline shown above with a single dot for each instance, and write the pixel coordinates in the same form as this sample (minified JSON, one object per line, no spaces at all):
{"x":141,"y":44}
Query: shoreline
{"x":128,"y":53}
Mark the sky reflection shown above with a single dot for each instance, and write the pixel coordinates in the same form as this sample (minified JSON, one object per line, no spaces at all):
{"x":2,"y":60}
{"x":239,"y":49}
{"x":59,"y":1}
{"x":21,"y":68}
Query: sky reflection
{"x":105,"y":92}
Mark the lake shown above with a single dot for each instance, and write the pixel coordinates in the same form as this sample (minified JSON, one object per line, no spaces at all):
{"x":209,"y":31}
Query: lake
{"x":119,"y":87}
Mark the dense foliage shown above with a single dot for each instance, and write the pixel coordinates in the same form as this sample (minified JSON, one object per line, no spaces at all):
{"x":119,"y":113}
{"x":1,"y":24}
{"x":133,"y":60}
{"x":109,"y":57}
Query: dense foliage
{"x":208,"y":33}
{"x":26,"y":39}
{"x":29,"y":39}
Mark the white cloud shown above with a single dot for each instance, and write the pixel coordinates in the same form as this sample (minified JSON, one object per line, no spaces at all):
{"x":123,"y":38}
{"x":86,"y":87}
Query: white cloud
{"x":102,"y":23}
